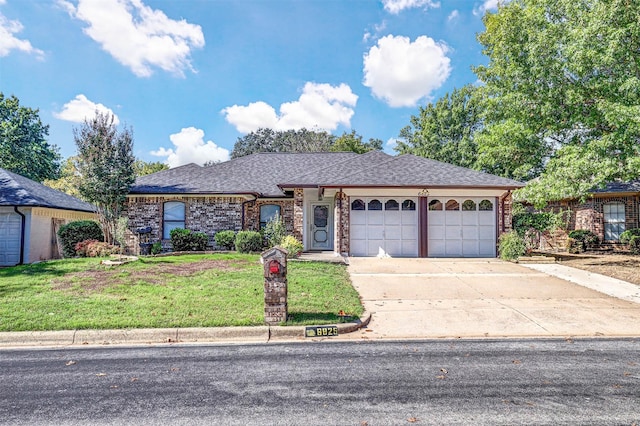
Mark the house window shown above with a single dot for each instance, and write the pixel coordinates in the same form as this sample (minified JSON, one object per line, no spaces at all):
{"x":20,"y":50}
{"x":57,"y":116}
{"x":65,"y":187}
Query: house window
{"x":408,"y":205}
{"x":375,"y":205}
{"x":357,"y":205}
{"x":452,"y":205}
{"x":267,"y":213}
{"x":614,"y":221}
{"x":486,"y":206}
{"x":435,"y":205}
{"x":469,"y":206}
{"x":173,"y":218}
{"x":391,"y":205}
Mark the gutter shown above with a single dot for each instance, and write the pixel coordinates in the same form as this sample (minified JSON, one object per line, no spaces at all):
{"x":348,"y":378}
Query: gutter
{"x":22,"y":232}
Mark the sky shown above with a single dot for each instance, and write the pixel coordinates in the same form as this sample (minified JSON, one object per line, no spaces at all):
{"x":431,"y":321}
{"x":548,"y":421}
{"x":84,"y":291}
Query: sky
{"x":189,"y":77}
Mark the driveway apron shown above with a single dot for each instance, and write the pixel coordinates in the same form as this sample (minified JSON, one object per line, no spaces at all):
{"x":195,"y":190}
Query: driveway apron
{"x":433,"y":298}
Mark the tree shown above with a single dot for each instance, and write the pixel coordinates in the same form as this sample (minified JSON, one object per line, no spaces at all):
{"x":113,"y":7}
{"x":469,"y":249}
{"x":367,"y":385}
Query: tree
{"x":563,"y":82}
{"x":69,"y":180}
{"x":353,"y":142}
{"x":23,"y":146}
{"x":445,"y":131}
{"x":105,"y":163}
{"x":142,"y":168}
{"x":268,"y":140}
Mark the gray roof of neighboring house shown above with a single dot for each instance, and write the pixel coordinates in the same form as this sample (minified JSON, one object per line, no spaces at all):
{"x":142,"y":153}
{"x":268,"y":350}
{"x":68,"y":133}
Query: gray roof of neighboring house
{"x":620,"y":187}
{"x":16,"y":190}
{"x":266,"y":174}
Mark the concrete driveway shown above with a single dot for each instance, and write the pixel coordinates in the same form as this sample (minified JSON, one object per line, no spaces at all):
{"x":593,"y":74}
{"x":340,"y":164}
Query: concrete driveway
{"x":432,"y":298}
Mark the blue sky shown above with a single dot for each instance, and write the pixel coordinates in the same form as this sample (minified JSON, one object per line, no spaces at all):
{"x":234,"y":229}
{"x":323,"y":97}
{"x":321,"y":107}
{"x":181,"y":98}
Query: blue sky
{"x":191,"y":76}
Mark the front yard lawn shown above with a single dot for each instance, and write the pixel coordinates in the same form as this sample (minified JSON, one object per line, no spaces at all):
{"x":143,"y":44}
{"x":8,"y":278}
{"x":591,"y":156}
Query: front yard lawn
{"x":160,"y":292}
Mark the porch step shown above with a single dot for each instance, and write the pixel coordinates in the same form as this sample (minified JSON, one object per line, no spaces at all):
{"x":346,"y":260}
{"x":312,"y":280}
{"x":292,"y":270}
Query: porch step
{"x":536,"y":259}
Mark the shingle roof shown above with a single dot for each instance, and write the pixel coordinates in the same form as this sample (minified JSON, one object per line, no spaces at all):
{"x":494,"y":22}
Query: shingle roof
{"x":16,"y":190}
{"x":266,"y":174}
{"x":617,"y":187}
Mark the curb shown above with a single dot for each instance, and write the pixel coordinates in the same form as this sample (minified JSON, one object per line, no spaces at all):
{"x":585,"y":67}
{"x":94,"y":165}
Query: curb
{"x":259,"y":334}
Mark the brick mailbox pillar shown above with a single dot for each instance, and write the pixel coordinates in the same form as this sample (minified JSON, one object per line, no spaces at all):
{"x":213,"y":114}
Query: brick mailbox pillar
{"x":274,"y":261}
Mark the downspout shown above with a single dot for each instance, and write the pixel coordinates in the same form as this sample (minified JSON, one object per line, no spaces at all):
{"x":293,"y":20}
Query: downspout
{"x":23,"y":228}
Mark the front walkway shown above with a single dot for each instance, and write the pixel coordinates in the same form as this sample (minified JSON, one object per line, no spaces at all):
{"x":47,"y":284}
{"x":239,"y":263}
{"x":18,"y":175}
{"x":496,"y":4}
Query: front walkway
{"x":431,"y":298}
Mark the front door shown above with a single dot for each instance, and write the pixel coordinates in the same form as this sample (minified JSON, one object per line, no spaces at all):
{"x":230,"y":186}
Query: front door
{"x":321,"y":227}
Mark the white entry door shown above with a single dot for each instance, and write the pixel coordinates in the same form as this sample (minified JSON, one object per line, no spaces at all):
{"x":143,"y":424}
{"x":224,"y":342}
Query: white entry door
{"x":10,"y":232}
{"x":321,"y":227}
{"x":383,"y":226}
{"x":461,"y":227}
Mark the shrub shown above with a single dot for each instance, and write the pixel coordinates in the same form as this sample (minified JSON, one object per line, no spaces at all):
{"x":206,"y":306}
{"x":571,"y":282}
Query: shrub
{"x":634,"y":244}
{"x":292,"y":246}
{"x":625,"y":237}
{"x":511,"y":246}
{"x":580,"y":239}
{"x":74,"y":232}
{"x":186,"y":240}
{"x":95,"y":248}
{"x":274,"y":231}
{"x":248,"y":241}
{"x":225,"y":239}
{"x":156,"y":248}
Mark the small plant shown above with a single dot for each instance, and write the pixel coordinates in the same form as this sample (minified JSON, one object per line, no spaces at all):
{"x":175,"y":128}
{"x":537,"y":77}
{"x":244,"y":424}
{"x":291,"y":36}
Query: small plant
{"x":156,"y":248}
{"x":274,"y":231}
{"x":225,"y":239}
{"x":511,"y":246}
{"x":581,"y":239}
{"x":248,"y":241}
{"x":292,"y":246}
{"x":186,"y":240}
{"x":74,"y":232}
{"x":95,"y":248}
{"x":631,"y":237}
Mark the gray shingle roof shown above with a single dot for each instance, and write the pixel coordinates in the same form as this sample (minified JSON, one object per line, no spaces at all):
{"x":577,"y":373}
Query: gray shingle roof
{"x":266,"y":174}
{"x":620,"y":187}
{"x":16,"y":190}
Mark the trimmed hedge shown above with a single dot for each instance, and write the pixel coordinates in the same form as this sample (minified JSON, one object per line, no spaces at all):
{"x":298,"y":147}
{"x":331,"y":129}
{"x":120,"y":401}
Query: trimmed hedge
{"x":75,"y":232}
{"x":511,"y":246}
{"x":225,"y":239}
{"x":631,"y":237}
{"x":248,"y":241}
{"x":186,"y":240}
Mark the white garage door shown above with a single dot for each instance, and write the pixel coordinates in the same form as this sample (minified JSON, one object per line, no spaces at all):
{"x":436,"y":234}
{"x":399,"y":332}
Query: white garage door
{"x":384,"y":226}
{"x":10,"y":231}
{"x":461,"y":227}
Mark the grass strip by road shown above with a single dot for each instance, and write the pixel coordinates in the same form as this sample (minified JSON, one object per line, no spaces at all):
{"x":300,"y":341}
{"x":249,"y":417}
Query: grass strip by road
{"x":222,"y":289}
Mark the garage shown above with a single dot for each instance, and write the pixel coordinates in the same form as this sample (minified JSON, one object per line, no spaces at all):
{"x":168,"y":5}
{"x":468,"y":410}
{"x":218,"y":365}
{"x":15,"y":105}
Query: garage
{"x":10,"y":232}
{"x":384,"y":226}
{"x":461,"y":227}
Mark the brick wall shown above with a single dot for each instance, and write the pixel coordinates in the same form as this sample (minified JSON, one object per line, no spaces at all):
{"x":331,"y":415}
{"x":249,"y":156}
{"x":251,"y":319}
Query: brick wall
{"x":341,"y":215}
{"x":252,"y":213}
{"x":202,"y":214}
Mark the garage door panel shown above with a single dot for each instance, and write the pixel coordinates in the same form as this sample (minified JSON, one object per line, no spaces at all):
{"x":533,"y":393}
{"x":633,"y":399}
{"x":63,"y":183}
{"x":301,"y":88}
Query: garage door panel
{"x":10,"y":233}
{"x":391,"y":230}
{"x":466,"y":233}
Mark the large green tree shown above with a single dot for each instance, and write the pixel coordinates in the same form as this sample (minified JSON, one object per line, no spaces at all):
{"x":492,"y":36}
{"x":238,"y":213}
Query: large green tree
{"x":353,"y":142}
{"x":105,"y":164}
{"x":142,"y":168}
{"x":444,"y":130}
{"x":563,"y":94}
{"x":23,"y":146}
{"x":268,"y":140}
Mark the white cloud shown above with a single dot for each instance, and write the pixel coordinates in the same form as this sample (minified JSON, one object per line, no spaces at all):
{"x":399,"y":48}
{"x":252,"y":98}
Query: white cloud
{"x":190,"y":147}
{"x":488,"y":5}
{"x":402,"y":72}
{"x":397,"y":6}
{"x":377,"y":29}
{"x":320,"y":106}
{"x":453,"y":15}
{"x":390,"y":145}
{"x":8,"y":40}
{"x":81,"y":108}
{"x":137,"y":36}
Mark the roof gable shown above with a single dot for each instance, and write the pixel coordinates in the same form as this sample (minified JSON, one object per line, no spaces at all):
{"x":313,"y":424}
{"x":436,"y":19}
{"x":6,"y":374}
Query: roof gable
{"x":16,"y":190}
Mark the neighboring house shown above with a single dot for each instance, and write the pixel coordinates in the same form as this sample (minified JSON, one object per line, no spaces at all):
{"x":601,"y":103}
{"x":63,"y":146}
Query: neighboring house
{"x":607,"y":212}
{"x":30,"y":216}
{"x":357,"y":204}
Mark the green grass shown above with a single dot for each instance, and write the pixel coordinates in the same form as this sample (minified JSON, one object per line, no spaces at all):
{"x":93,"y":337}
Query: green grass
{"x":159,"y":292}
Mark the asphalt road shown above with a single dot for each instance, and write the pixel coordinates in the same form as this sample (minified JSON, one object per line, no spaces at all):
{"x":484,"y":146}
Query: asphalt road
{"x":341,"y":383}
